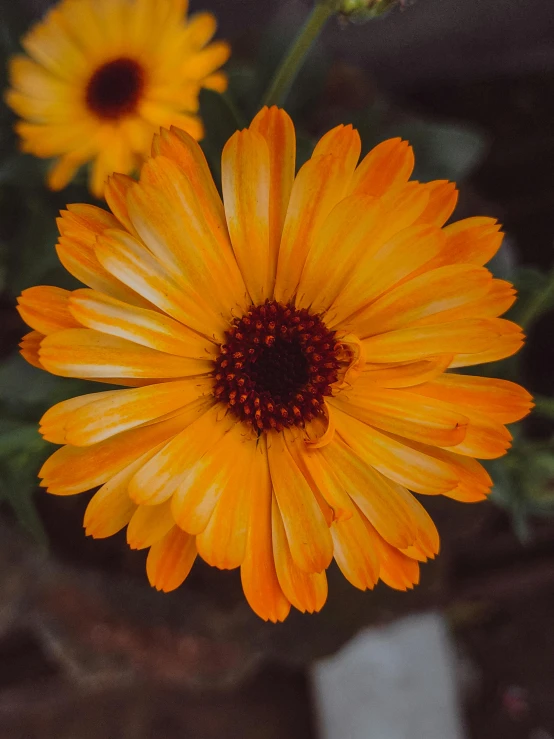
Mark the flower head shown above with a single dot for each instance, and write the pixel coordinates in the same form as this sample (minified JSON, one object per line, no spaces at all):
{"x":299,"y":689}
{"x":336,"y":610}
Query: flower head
{"x":103,"y":75}
{"x":291,"y":356}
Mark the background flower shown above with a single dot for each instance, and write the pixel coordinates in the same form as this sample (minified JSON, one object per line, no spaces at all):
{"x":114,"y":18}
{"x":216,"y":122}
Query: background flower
{"x":101,"y":76}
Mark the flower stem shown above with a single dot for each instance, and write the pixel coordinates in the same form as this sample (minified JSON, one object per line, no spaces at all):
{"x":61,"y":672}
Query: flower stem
{"x":538,"y":303}
{"x":290,"y":66}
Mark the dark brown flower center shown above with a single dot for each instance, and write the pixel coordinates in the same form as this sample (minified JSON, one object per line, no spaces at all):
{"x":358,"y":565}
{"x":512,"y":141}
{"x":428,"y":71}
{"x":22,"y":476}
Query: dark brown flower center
{"x":276,"y":367}
{"x":115,"y":88}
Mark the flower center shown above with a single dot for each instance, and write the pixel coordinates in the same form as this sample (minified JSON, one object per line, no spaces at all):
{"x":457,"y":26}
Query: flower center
{"x":276,"y":367}
{"x":115,"y":88}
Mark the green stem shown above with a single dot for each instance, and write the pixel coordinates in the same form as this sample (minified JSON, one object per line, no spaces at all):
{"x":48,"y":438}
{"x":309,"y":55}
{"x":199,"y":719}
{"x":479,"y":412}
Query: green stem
{"x":538,"y":303}
{"x":290,"y":66}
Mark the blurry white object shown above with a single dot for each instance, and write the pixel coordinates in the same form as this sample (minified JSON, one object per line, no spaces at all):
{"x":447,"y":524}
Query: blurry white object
{"x":394,"y":682}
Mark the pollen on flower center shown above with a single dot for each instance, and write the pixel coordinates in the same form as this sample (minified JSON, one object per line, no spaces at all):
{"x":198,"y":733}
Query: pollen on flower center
{"x":115,"y":88}
{"x":276,"y":367}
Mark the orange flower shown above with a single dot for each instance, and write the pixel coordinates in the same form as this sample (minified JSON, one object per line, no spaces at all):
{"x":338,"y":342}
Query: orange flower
{"x":104,"y":75}
{"x":288,"y":354}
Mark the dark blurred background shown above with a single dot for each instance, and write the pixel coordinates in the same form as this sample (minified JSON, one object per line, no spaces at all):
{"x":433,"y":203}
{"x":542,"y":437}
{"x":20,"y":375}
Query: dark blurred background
{"x":87,"y":651}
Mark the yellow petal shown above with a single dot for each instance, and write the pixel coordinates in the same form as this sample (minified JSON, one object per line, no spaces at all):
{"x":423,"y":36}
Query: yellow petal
{"x":398,"y":460}
{"x":355,"y":552}
{"x":117,"y":411}
{"x":73,"y":469}
{"x":509,"y":340}
{"x":246,"y":184}
{"x":394,"y":261}
{"x":29,"y":347}
{"x":223,"y":542}
{"x":277,"y":128}
{"x":257,"y":572}
{"x":140,"y":325}
{"x":82,"y":352}
{"x":128,"y":260}
{"x":170,"y":560}
{"x":308,"y":536}
{"x":411,"y":344}
{"x":318,"y":187}
{"x":160,"y":478}
{"x":406,"y":414}
{"x":388,"y":165}
{"x":45,"y":309}
{"x":149,"y":524}
{"x":425,"y":297}
{"x":306,"y":591}
{"x":116,"y":191}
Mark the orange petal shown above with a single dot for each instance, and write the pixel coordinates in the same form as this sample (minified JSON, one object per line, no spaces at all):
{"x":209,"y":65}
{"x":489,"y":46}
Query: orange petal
{"x":110,"y":413}
{"x":73,"y":470}
{"x":133,"y":264}
{"x":355,"y":552}
{"x":277,"y":128}
{"x":45,"y":309}
{"x":404,"y":374}
{"x":170,"y":560}
{"x":411,"y":344}
{"x":508,"y":341}
{"x":246,"y":184}
{"x":402,"y":255}
{"x":396,"y":570}
{"x":115,"y":192}
{"x":223,"y":542}
{"x":406,"y":414}
{"x":306,"y":591}
{"x":425,"y":298}
{"x":443,"y":197}
{"x":501,"y":400}
{"x":111,"y":508}
{"x":308,"y":536}
{"x":318,"y":187}
{"x":395,"y":459}
{"x":29,"y":348}
{"x":472,"y":240}
{"x":82,"y":352}
{"x":146,"y":327}
{"x":160,"y":478}
{"x":258,"y":575}
{"x":382,"y":501}
{"x":388,"y":165}
{"x":149,"y":524}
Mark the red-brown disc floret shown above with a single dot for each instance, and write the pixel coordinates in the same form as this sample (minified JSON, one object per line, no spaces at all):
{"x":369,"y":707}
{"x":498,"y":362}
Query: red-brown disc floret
{"x":276,"y":367}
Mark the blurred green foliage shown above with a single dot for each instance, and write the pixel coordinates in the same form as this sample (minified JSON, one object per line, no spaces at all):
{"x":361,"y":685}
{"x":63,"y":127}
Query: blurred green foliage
{"x":524,"y":479}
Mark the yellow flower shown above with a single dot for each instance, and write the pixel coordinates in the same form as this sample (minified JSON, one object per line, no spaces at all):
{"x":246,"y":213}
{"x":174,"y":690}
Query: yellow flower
{"x":288,"y":353}
{"x":102,"y":76}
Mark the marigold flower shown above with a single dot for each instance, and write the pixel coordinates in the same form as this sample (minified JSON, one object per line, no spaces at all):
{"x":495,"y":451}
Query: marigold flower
{"x":291,"y":357}
{"x":102,"y":76}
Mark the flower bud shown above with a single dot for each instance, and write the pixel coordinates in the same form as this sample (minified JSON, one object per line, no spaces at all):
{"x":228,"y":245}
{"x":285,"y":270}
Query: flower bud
{"x":359,"y":11}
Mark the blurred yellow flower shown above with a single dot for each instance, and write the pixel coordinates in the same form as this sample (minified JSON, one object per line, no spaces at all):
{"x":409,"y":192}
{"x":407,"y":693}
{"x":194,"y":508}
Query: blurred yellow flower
{"x":102,"y":76}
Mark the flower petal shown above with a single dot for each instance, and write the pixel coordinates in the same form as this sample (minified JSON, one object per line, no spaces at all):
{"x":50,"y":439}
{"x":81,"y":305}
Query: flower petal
{"x":83,"y":352}
{"x":443,"y":197}
{"x":223,"y":542}
{"x":425,"y":297}
{"x":355,"y":552}
{"x":146,"y":327}
{"x":387,"y":165}
{"x":277,"y":128}
{"x":403,"y":374}
{"x":306,"y":591}
{"x":246,"y":184}
{"x":307,"y":532}
{"x":258,"y":575}
{"x":319,"y":185}
{"x":161,"y":477}
{"x":406,"y":414}
{"x":509,"y":340}
{"x":149,"y":524}
{"x":45,"y":309}
{"x":397,"y":460}
{"x":170,"y":560}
